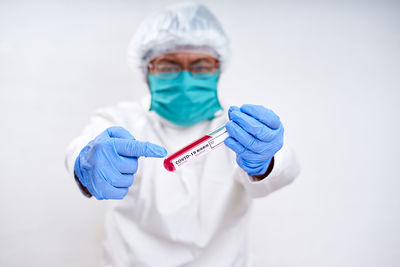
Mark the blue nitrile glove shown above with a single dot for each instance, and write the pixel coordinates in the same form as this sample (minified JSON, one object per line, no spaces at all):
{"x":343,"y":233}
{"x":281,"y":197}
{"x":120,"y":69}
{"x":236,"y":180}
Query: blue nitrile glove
{"x":256,"y":134}
{"x":107,"y":164}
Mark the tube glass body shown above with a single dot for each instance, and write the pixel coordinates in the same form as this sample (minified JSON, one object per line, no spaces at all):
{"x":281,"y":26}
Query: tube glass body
{"x":196,"y":149}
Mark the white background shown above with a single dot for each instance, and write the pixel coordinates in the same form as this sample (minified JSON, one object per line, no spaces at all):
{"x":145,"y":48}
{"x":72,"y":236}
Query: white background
{"x":330,"y":69}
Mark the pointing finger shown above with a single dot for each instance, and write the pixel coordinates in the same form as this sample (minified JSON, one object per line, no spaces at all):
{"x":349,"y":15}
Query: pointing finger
{"x":134,"y":148}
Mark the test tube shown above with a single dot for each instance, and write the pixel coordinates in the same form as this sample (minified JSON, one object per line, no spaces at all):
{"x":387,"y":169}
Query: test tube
{"x":196,"y":149}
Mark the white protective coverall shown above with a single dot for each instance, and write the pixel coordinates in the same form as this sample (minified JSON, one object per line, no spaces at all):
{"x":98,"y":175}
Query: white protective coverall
{"x":195,"y":216}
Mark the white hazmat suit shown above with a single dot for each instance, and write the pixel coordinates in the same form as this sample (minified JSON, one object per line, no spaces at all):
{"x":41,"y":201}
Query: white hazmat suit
{"x":197,"y":216}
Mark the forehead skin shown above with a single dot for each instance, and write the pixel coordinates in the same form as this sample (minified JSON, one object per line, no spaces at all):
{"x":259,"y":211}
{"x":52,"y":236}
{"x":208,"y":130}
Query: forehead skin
{"x":183,"y":58}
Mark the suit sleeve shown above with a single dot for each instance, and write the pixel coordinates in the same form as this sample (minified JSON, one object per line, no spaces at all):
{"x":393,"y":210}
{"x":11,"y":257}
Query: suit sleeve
{"x":286,"y":168}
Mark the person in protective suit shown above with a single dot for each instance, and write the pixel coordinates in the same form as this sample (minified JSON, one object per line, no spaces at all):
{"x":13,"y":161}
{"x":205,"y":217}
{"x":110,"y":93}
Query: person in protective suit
{"x":199,"y":214}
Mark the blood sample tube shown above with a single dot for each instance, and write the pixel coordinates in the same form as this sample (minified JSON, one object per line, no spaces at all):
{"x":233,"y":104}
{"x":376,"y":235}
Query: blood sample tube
{"x":200,"y":147}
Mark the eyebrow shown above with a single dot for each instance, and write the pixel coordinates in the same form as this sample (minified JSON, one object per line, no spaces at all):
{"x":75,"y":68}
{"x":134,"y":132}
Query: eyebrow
{"x":201,"y":59}
{"x":166,"y":60}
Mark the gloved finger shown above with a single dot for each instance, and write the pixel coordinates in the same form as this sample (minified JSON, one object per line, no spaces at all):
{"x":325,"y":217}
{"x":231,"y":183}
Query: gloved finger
{"x":232,"y":108}
{"x":134,"y":148}
{"x":127,"y":181}
{"x":241,"y":164}
{"x":253,"y":164}
{"x":243,"y":152}
{"x":243,"y":137}
{"x":127,"y":165}
{"x":107,"y":191}
{"x":274,"y":146}
{"x":114,"y":177}
{"x":252,"y":168}
{"x":234,"y":145}
{"x":119,"y":132}
{"x":253,"y":126}
{"x":266,"y":116}
{"x":253,"y":156}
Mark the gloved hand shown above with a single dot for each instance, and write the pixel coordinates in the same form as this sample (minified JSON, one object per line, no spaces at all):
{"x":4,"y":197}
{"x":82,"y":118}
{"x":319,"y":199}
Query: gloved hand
{"x":256,"y":134}
{"x":107,"y":164}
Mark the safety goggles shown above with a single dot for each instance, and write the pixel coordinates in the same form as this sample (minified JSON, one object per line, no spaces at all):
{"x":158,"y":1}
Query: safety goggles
{"x":169,"y":70}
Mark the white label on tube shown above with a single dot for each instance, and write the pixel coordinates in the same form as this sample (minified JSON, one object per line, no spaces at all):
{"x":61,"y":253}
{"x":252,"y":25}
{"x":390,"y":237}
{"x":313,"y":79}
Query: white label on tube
{"x":201,"y":149}
{"x":219,"y":139}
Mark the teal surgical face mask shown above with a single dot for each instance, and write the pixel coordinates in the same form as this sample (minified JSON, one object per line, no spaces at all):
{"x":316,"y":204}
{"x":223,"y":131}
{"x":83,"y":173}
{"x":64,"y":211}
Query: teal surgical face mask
{"x":184,"y":100}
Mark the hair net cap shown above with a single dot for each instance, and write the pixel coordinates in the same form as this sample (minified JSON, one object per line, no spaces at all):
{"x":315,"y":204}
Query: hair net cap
{"x":185,"y":27}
